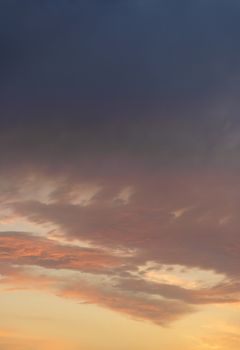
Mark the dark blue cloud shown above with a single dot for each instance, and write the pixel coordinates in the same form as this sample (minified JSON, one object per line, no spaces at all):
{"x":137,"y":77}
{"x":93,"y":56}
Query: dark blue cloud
{"x":122,"y":50}
{"x":145,"y":78}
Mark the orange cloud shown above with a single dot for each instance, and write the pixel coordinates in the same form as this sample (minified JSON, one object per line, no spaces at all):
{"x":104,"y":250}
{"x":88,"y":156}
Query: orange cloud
{"x":19,"y":248}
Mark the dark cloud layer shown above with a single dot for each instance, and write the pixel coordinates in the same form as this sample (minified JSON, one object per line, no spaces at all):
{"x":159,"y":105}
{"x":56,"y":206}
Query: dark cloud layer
{"x":139,"y":99}
{"x":151,"y":80}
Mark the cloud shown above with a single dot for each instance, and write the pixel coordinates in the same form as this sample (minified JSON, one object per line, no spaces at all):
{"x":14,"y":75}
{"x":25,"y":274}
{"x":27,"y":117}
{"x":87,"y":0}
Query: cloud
{"x":125,"y":236}
{"x":119,"y":131}
{"x":160,"y":312}
{"x":146,"y":225}
{"x":225,"y":292}
{"x":17,"y":248}
{"x":18,"y":271}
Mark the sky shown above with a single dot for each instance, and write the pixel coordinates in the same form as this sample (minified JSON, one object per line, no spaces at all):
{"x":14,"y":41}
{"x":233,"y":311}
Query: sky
{"x":119,"y":175}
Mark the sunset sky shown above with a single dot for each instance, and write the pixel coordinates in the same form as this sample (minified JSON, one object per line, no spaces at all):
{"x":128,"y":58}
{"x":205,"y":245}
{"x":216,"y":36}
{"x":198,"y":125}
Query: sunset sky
{"x":119,"y":175}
